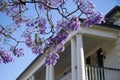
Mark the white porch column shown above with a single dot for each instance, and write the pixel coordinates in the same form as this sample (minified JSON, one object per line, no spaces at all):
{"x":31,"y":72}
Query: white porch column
{"x":49,"y":72}
{"x":73,"y":59}
{"x":80,"y":58}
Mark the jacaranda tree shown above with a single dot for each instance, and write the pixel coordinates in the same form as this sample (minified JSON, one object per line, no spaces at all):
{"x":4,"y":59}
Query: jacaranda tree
{"x":43,"y":31}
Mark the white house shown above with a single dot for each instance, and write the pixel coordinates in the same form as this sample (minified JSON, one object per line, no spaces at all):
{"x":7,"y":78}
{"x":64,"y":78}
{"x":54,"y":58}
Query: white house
{"x":90,"y":54}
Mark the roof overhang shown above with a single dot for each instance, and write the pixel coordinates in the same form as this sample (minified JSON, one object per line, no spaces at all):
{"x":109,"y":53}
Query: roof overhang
{"x":113,"y":17}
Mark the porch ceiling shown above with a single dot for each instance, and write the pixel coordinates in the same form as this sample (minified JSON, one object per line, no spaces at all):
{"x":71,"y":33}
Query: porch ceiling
{"x":91,"y":42}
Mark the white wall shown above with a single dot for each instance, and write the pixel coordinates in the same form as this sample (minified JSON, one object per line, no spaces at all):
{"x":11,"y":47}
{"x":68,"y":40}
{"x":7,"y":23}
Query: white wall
{"x":111,"y":59}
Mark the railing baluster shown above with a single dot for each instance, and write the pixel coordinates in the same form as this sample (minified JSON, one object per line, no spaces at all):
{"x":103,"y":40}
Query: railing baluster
{"x":89,"y":77}
{"x":90,"y":73}
{"x":95,"y":73}
{"x":110,"y":74}
{"x":98,"y":74}
{"x":86,"y":72}
{"x":118,"y":78}
{"x":113,"y":74}
{"x":105,"y":73}
{"x":101,"y":76}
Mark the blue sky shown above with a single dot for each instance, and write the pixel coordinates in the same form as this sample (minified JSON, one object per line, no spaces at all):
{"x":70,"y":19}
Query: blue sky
{"x":12,"y":70}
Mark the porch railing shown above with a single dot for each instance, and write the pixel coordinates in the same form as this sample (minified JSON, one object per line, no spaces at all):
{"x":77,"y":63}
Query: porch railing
{"x":101,"y":73}
{"x":96,"y":73}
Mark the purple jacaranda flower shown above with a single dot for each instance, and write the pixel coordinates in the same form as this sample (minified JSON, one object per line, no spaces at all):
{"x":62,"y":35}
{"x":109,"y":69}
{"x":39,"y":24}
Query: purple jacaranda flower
{"x":99,"y":18}
{"x":31,"y":43}
{"x":37,"y":49}
{"x":62,"y":25}
{"x":5,"y":56}
{"x":28,"y":40}
{"x":86,"y":6}
{"x":74,"y":23}
{"x":31,"y":22}
{"x":51,"y":58}
{"x":39,"y":25}
{"x":48,"y":35}
{"x":19,"y":20}
{"x":17,"y":51}
{"x":52,"y":3}
{"x":95,"y":18}
{"x":42,"y":25}
{"x":62,"y":48}
{"x":69,"y":25}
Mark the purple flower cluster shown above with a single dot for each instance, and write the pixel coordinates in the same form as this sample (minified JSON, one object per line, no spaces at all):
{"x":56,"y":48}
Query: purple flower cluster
{"x":19,"y":20}
{"x":41,"y":33}
{"x":37,"y":49}
{"x":74,"y":24}
{"x":42,"y":25}
{"x":31,"y":43}
{"x":18,"y":51}
{"x":50,"y":3}
{"x":14,"y":11}
{"x":54,"y":2}
{"x":51,"y":58}
{"x":95,"y":18}
{"x":92,"y":17}
{"x":65,"y":28}
{"x":5,"y":56}
{"x":39,"y":25}
{"x":86,"y":6}
{"x":57,"y":42}
{"x":70,"y":25}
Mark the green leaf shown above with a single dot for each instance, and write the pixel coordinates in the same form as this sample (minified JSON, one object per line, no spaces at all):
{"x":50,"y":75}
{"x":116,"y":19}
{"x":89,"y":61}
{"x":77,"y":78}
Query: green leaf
{"x":38,"y":39}
{"x":36,"y":26}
